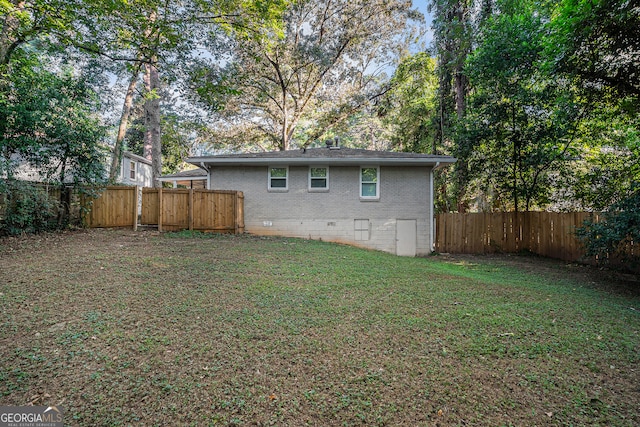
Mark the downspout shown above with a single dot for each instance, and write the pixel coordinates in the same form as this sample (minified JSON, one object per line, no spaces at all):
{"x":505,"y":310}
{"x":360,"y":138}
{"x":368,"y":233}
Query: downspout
{"x":433,"y":216}
{"x":208,"y":175}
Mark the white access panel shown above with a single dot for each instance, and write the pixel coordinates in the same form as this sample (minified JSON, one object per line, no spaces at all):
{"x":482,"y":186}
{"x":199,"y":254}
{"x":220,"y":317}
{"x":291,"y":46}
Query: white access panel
{"x":406,"y":237}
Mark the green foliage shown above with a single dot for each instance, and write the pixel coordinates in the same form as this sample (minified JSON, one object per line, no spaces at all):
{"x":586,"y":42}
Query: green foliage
{"x":294,"y":87}
{"x":598,"y":41}
{"x":610,"y":237}
{"x":608,"y":166}
{"x":28,"y":208}
{"x":522,"y":121}
{"x":47,"y":120}
{"x":409,"y":108}
{"x":177,"y":139}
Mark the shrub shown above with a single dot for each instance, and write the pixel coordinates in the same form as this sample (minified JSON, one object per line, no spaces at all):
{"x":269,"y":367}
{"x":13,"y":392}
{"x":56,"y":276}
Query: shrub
{"x":28,"y":208}
{"x":612,"y":236}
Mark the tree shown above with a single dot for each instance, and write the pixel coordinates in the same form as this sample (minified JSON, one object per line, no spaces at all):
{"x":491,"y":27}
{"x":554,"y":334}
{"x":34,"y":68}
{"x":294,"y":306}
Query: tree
{"x":453,"y":42}
{"x":409,"y":108}
{"x":48,"y":120}
{"x":610,"y":237}
{"x":178,"y":137}
{"x":325,"y":67}
{"x":23,"y":21}
{"x":522,"y":121}
{"x":598,"y":40}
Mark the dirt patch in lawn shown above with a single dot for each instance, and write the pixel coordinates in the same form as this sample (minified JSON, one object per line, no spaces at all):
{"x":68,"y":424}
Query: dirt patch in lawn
{"x":123,"y":327}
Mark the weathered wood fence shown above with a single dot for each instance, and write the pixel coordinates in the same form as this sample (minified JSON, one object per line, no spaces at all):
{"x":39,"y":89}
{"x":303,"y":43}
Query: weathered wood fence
{"x":544,"y":233}
{"x":168,"y":209}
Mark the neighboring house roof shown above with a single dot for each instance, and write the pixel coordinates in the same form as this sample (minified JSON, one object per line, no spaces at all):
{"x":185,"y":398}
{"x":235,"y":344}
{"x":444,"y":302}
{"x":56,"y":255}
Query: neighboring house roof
{"x":188,"y":174}
{"x":136,"y":157}
{"x":324,"y":156}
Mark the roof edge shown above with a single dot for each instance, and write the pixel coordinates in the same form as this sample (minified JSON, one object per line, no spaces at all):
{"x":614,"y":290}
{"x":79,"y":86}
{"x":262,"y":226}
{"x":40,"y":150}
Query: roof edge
{"x":435,"y":161}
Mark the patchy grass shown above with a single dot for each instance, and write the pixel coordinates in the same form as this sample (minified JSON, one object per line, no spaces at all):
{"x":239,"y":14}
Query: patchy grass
{"x":128,"y":328}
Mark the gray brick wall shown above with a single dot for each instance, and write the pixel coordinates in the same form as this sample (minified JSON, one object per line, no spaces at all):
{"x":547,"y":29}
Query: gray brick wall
{"x":331,"y":215}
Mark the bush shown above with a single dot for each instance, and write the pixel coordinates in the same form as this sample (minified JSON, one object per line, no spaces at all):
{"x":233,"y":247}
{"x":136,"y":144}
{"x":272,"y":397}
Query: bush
{"x":610,"y":238}
{"x":28,"y":208}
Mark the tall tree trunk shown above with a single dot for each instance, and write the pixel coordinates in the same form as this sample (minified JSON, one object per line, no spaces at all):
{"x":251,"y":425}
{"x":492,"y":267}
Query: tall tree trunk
{"x":116,"y":160}
{"x":463,"y":46}
{"x":152,"y":143}
{"x":146,"y":146}
{"x":461,"y":92}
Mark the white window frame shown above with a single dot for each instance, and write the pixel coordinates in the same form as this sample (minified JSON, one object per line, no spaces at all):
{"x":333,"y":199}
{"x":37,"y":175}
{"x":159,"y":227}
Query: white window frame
{"x":286,"y":179}
{"x":326,"y":178}
{"x":377,"y":182}
{"x":133,"y":170}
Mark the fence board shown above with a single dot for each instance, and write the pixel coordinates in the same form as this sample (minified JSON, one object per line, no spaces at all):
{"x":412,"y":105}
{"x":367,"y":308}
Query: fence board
{"x":545,"y":233}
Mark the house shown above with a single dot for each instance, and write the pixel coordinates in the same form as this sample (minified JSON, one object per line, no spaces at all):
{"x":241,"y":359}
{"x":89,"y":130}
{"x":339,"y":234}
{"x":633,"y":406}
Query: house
{"x":135,"y":170}
{"x":374,"y":199}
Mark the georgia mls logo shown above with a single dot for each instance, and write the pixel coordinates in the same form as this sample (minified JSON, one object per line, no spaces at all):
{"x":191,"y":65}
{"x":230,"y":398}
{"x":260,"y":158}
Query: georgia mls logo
{"x":31,"y":416}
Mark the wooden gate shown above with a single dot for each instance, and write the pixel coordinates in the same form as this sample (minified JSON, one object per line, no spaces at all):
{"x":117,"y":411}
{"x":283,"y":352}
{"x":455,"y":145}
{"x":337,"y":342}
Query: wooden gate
{"x":182,"y":209}
{"x":115,"y":206}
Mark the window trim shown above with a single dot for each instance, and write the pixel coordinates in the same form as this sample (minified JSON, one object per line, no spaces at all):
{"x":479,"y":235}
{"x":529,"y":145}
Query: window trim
{"x":133,"y":170}
{"x":377,"y":182}
{"x":286,"y":179}
{"x":310,"y":179}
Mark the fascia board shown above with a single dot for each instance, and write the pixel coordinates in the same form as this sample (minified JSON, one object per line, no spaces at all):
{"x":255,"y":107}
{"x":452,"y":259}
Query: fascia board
{"x":421,"y":161}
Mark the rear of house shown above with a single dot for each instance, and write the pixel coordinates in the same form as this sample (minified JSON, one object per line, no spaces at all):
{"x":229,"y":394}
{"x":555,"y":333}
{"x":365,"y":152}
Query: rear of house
{"x":377,"y":200}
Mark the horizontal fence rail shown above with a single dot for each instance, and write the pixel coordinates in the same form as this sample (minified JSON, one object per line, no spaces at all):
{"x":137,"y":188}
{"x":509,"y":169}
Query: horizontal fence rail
{"x":548,"y":234}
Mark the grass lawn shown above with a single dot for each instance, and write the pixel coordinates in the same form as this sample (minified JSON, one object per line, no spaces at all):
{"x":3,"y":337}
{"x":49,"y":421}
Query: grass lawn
{"x":123,"y":327}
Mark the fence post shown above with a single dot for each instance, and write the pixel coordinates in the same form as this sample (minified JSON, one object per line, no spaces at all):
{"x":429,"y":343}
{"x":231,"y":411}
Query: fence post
{"x":190,"y":207}
{"x":135,"y":208}
{"x":239,"y":212}
{"x":160,"y":208}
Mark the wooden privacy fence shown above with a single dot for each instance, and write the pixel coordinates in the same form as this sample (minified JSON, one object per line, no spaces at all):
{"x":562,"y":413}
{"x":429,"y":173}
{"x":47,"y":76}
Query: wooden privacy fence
{"x":168,"y":209}
{"x":544,"y":233}
{"x":204,"y":210}
{"x":115,"y":206}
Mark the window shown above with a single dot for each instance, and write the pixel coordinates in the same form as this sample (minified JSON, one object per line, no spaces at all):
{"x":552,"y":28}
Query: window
{"x":318,"y":178}
{"x":132,"y":170}
{"x":369,"y":178}
{"x":278,"y":178}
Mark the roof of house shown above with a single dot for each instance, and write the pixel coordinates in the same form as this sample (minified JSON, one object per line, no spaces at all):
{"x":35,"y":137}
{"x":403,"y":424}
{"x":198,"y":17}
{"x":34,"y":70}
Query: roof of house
{"x":323,"y":156}
{"x":188,"y":174}
{"x":136,"y":157}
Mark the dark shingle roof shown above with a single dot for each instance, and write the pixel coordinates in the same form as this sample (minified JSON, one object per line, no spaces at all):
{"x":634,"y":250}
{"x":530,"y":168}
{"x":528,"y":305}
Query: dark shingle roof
{"x":333,"y":155}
